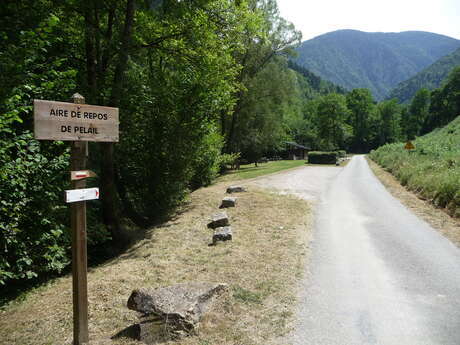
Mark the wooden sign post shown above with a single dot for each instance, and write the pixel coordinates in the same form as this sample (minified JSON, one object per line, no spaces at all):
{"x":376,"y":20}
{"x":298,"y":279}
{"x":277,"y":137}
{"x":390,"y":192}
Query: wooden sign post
{"x":78,"y":155}
{"x":79,"y":123}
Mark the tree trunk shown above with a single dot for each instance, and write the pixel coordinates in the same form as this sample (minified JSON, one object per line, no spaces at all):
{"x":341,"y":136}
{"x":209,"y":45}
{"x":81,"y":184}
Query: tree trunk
{"x":231,"y":145}
{"x":223,"y":124}
{"x":123,"y":55}
{"x":91,"y":59}
{"x":128,"y":206}
{"x":109,"y":201}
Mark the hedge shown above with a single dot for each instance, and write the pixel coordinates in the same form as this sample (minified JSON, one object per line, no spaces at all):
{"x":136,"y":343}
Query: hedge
{"x":341,"y":153}
{"x":318,"y":157}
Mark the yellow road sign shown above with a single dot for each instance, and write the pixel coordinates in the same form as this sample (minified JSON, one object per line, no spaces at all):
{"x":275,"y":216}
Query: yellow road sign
{"x":409,"y":146}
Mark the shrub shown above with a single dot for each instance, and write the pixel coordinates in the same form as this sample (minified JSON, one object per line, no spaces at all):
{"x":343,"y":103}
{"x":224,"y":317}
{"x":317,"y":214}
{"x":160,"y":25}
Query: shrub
{"x":33,"y":235}
{"x":207,"y":161}
{"x":341,"y":153}
{"x":229,"y":159}
{"x":318,"y":157}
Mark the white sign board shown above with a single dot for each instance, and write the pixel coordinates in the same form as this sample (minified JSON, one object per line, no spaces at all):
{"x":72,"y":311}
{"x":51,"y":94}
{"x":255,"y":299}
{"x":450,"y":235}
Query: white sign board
{"x":75,"y":195}
{"x":76,"y":122}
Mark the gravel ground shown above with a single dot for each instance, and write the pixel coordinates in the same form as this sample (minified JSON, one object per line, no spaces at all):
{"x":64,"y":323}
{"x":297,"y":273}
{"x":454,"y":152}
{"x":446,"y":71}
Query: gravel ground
{"x":307,"y":182}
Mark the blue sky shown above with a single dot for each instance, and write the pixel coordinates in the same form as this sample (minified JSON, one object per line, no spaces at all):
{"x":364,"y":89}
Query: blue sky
{"x":317,"y":17}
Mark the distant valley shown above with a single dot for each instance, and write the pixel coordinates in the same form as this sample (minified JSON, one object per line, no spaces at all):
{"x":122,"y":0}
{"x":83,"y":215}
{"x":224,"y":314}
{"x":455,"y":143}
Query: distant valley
{"x":377,"y":61}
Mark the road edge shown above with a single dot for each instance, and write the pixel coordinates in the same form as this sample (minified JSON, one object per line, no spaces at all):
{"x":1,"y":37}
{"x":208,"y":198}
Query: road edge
{"x":437,"y":218}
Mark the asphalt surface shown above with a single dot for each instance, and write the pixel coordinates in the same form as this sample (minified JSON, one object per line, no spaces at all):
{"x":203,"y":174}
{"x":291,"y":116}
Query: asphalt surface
{"x":378,"y":274}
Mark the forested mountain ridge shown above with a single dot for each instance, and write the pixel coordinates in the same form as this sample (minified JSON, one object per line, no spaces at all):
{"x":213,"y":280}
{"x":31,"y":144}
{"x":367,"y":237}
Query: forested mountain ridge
{"x":377,"y":61}
{"x":430,"y":78}
{"x":314,"y":85}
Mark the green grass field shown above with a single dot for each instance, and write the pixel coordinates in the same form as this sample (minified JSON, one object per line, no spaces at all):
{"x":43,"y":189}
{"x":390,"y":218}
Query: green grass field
{"x":432,"y":169}
{"x":250,"y":170}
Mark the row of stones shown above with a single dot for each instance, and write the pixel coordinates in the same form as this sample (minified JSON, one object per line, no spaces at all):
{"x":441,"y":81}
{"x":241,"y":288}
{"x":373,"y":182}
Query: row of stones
{"x":175,"y":311}
{"x":219,"y":221}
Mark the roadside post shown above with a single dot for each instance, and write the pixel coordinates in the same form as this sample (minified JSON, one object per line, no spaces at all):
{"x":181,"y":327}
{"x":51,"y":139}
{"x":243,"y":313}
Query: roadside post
{"x":79,"y":123}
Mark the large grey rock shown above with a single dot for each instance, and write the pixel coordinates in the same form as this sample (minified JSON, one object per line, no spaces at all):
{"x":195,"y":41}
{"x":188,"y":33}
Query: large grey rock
{"x":218,"y":220}
{"x":228,"y":202}
{"x":236,"y":189}
{"x":172,"y":311}
{"x":222,"y":234}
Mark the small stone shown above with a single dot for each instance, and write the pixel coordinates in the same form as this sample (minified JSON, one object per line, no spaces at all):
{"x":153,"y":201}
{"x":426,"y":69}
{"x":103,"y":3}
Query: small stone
{"x":228,"y":202}
{"x":235,"y":189}
{"x":222,"y":234}
{"x":218,"y":220}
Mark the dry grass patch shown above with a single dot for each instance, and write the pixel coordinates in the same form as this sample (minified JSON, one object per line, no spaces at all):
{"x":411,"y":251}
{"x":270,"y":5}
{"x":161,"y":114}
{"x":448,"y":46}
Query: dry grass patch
{"x":437,"y":218}
{"x":250,"y":171}
{"x":262,"y":265}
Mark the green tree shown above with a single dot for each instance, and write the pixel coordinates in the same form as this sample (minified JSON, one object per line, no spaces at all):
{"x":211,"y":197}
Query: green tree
{"x":175,"y":59}
{"x":445,"y":103}
{"x":266,"y":35}
{"x":451,"y":89}
{"x":330,"y":120}
{"x":360,"y":104}
{"x":33,"y":219}
{"x":389,"y":113}
{"x":309,"y":135}
{"x":417,"y":113}
{"x":178,"y":85}
{"x":270,"y":111}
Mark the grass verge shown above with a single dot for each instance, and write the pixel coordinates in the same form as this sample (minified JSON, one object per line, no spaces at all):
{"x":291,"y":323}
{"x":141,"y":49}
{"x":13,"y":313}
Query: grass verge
{"x":262,"y":265}
{"x":437,"y":218}
{"x":250,"y":170}
{"x":432,"y":170}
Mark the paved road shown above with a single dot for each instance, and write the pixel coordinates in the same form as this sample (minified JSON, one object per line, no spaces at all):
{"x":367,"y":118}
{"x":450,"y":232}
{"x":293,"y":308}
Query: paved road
{"x":378,"y":274}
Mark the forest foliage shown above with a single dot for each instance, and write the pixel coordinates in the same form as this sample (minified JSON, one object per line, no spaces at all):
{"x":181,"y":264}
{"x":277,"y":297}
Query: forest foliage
{"x":197,"y":83}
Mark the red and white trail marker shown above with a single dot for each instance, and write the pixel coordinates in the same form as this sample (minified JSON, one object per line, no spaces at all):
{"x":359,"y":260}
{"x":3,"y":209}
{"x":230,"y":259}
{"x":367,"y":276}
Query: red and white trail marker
{"x":75,"y":195}
{"x":81,"y":174}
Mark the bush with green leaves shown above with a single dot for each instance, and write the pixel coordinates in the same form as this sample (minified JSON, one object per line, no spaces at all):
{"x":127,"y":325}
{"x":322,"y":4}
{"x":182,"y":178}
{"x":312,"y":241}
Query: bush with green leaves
{"x":207,"y":162}
{"x":318,"y":157}
{"x":33,"y":237}
{"x":229,"y":159}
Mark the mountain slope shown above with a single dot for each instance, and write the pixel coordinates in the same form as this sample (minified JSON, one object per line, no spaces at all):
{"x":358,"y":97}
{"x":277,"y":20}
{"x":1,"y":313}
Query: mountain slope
{"x":313,"y":85}
{"x":430,"y":78}
{"x":378,"y":61}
